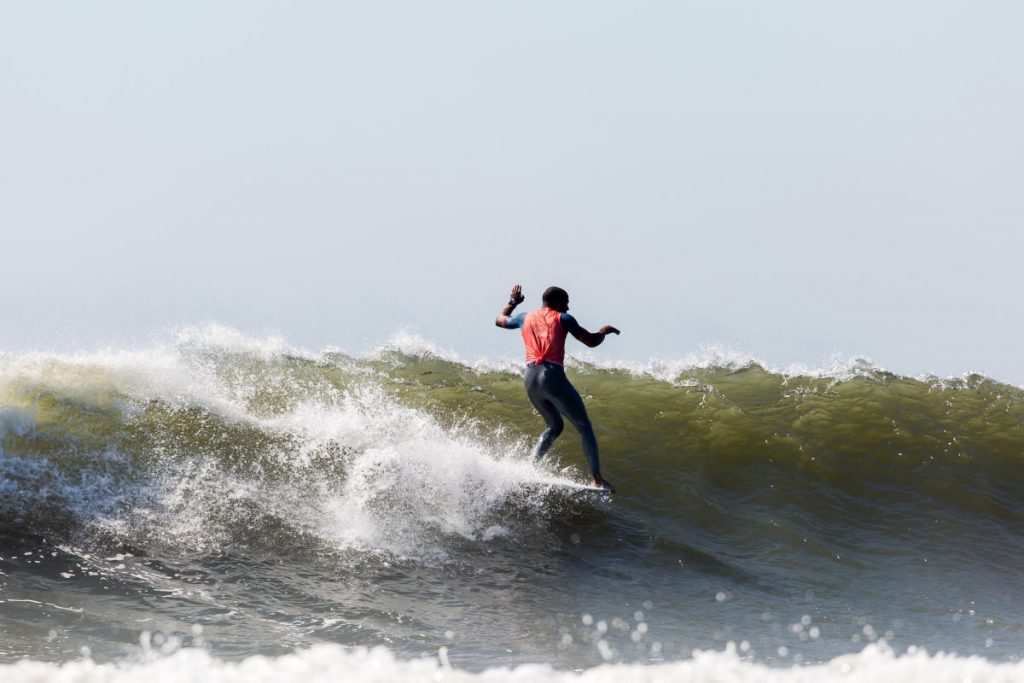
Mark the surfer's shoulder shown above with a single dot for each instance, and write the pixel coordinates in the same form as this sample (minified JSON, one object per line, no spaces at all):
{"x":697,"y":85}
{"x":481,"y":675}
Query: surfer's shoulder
{"x":569,"y":323}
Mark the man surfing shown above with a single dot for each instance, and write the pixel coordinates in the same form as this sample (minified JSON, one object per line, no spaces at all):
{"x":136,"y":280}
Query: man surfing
{"x":544,"y":332}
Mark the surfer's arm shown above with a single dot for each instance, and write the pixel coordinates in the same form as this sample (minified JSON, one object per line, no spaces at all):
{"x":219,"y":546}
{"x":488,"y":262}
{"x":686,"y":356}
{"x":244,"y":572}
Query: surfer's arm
{"x":510,"y":322}
{"x":590,"y":339}
{"x":514,"y":299}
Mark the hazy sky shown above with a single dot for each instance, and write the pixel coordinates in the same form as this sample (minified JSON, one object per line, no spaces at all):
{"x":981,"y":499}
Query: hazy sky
{"x":788,"y":179}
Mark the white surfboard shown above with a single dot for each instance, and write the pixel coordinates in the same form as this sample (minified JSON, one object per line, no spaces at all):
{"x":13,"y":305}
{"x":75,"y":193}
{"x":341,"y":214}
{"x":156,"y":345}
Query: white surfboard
{"x":572,"y":486}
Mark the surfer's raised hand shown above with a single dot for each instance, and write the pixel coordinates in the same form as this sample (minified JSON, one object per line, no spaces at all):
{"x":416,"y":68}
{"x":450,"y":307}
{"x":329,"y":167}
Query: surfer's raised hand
{"x":516,"y":297}
{"x":608,"y":329}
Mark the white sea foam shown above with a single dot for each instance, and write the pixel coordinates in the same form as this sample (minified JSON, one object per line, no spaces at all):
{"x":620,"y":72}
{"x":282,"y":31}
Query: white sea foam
{"x":837,"y":367}
{"x":668,"y":370}
{"x":222,"y":337}
{"x":716,"y":356}
{"x":168,"y":372}
{"x":409,"y":480}
{"x":331,"y":663}
{"x":157,"y":368}
{"x":412,"y":344}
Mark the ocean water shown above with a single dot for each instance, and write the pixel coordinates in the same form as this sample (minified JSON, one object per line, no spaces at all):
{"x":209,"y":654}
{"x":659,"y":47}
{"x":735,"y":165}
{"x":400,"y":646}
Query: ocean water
{"x":219,"y":507}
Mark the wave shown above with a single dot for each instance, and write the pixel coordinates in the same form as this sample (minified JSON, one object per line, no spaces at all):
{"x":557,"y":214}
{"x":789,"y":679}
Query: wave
{"x":219,"y":439}
{"x":323,"y":496}
{"x":328,"y":662}
{"x":403,"y":448}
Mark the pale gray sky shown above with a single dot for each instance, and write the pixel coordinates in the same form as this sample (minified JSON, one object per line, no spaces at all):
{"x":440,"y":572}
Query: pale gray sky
{"x":788,"y":179}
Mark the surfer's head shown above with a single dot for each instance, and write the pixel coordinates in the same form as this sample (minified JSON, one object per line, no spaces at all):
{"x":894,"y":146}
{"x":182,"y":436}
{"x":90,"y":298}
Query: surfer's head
{"x":556,"y":298}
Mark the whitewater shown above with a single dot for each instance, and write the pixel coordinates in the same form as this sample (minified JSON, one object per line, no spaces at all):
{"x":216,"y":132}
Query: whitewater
{"x":223,"y":507}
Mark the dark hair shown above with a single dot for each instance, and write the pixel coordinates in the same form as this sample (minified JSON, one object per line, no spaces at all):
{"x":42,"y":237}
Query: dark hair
{"x":554,"y":295}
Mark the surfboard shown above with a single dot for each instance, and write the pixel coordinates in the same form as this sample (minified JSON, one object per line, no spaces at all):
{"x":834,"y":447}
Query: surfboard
{"x":572,"y":486}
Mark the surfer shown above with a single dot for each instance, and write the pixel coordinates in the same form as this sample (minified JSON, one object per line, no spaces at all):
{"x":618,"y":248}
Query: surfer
{"x":544,"y":332}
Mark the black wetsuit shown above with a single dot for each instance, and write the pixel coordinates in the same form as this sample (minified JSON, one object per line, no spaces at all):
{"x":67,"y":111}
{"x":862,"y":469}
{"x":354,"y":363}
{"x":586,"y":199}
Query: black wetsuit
{"x":553,"y":396}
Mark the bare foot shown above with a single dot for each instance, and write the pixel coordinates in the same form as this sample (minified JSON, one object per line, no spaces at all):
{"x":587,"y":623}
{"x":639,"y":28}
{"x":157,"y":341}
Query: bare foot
{"x":601,"y":483}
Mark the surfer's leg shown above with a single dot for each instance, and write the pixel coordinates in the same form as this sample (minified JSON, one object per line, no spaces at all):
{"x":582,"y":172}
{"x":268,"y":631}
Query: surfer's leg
{"x":555,"y":425}
{"x":545,"y":407}
{"x":567,"y":400}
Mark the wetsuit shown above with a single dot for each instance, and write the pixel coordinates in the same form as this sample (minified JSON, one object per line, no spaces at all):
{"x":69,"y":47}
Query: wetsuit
{"x":544,"y":333}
